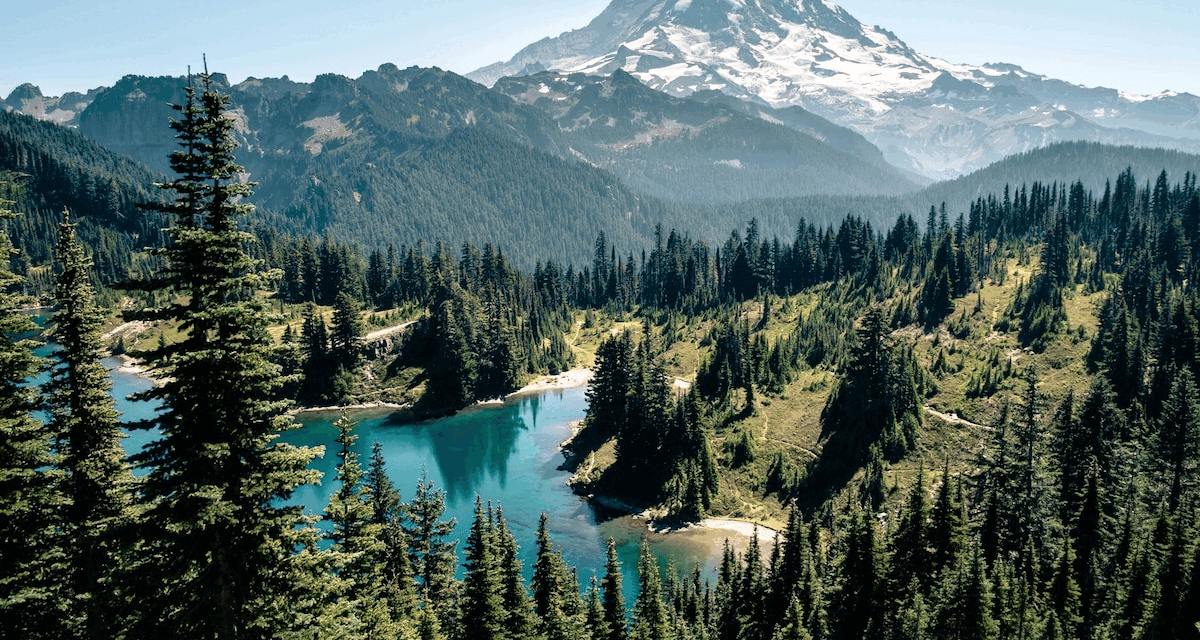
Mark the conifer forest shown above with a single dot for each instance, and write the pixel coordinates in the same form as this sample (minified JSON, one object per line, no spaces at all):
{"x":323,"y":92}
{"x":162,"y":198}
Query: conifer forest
{"x":975,"y":421}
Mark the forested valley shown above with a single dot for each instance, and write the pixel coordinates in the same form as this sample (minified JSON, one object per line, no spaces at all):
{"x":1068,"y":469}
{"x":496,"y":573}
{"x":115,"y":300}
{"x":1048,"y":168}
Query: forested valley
{"x":981,"y":424}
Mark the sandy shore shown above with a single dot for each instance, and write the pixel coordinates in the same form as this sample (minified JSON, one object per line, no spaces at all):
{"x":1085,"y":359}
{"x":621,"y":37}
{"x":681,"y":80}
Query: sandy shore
{"x":564,"y":380}
{"x":365,"y":406}
{"x":131,"y":366}
{"x":765,"y":534}
{"x":740,"y":527}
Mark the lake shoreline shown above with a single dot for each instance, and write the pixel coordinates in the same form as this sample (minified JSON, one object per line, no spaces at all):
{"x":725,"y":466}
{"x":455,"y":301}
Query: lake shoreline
{"x":565,"y":380}
{"x":741,"y":527}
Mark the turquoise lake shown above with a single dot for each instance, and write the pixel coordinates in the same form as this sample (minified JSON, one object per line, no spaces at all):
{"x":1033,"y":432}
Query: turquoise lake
{"x":507,"y":453}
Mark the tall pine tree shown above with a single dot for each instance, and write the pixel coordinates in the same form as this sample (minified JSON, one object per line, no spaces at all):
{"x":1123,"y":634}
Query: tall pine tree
{"x":84,"y":419}
{"x":358,"y":545}
{"x":218,"y":541}
{"x":29,"y":562}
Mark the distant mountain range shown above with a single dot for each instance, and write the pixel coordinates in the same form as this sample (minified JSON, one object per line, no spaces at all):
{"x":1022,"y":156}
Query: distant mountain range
{"x":708,"y":149}
{"x":398,"y":155}
{"x":926,"y":115}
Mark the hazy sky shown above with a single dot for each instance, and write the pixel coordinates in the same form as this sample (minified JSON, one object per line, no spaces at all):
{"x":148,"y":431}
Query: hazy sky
{"x":74,"y":45}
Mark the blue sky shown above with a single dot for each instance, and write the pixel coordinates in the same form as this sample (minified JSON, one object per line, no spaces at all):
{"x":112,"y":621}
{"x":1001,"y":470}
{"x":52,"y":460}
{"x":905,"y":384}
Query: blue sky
{"x":73,"y":45}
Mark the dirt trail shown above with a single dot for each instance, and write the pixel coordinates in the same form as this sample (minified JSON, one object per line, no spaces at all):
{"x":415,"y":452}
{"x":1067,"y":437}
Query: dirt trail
{"x":387,"y":331}
{"x":953,"y":418}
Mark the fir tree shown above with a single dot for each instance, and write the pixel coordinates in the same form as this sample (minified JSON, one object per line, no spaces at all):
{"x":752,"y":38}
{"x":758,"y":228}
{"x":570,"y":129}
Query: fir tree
{"x":1064,"y":594}
{"x":31,"y":564}
{"x":219,"y":539}
{"x":84,"y":419}
{"x":976,"y":618}
{"x":428,"y":626}
{"x":357,"y":544}
{"x":595,"y":621}
{"x":483,"y":613}
{"x":521,"y":622}
{"x":1027,"y":510}
{"x":453,"y":375}
{"x":792,"y":627}
{"x":388,"y":512}
{"x":345,"y":345}
{"x":432,"y":557}
{"x":649,"y":613}
{"x":500,"y":366}
{"x":1178,"y":439}
{"x":910,"y":561}
{"x":552,"y":600}
{"x":947,"y":530}
{"x":316,"y":383}
{"x":613,"y":598}
{"x":859,"y":598}
{"x":611,"y":384}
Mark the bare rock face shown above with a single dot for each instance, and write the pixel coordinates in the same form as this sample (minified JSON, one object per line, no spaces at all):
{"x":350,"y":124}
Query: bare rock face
{"x":64,"y":109}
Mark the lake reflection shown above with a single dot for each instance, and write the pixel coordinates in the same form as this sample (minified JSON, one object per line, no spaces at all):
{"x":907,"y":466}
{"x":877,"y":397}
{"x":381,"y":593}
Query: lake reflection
{"x":508,"y":454}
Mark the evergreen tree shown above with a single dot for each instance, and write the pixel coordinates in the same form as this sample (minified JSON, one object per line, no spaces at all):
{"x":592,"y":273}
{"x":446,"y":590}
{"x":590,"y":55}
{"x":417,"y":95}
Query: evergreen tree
{"x":388,"y":512}
{"x":454,"y":372}
{"x":1064,"y":594}
{"x":910,"y":561}
{"x":500,"y":365}
{"x":432,"y":557}
{"x":595,"y":621}
{"x":874,"y":404}
{"x":345,"y":345}
{"x":947,"y":530}
{"x":859,"y":598}
{"x":611,"y":384}
{"x":483,"y":613}
{"x":649,"y":613}
{"x":1067,"y":437}
{"x":613,"y":598}
{"x":976,"y":618}
{"x":428,"y":626}
{"x":357,"y":541}
{"x":1089,"y":539}
{"x":751,"y":606}
{"x":521,"y":622}
{"x":792,"y":627}
{"x":1027,"y":509}
{"x":218,"y":541}
{"x":30,"y":565}
{"x":552,"y":600}
{"x":1178,"y":439}
{"x":316,"y":380}
{"x":97,"y":483}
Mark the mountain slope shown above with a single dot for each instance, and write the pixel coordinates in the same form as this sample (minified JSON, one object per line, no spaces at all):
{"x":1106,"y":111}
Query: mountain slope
{"x":1092,"y":164}
{"x":702,"y":151}
{"x":397,"y":157}
{"x":927,"y":115}
{"x":57,"y":169}
{"x":280,"y":121}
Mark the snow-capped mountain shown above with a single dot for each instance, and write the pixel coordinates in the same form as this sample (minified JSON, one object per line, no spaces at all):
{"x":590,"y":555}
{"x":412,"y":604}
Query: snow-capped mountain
{"x":927,"y":115}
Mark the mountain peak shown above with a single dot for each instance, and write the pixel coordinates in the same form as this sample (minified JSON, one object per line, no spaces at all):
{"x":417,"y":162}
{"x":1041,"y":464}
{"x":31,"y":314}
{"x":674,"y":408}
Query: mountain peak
{"x":24,"y":92}
{"x":929,"y":116}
